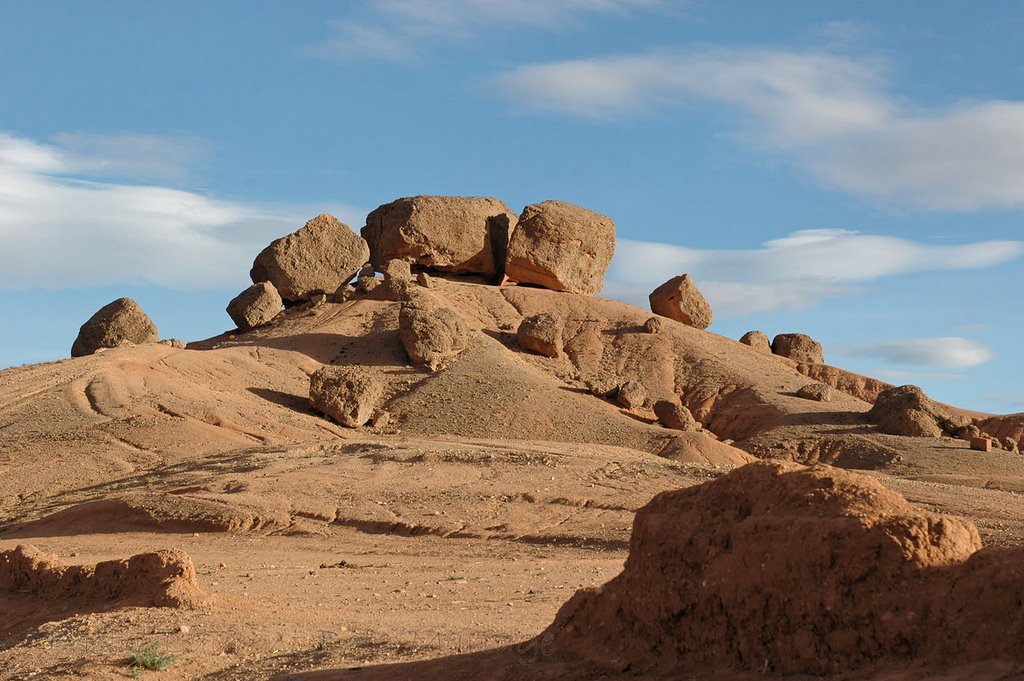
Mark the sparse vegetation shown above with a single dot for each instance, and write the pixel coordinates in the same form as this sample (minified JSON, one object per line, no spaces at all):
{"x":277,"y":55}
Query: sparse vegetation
{"x":150,"y":658}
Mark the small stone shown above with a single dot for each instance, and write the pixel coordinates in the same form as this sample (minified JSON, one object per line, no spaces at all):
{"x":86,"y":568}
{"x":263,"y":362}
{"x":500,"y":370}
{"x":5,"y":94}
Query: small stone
{"x":632,"y":395}
{"x":818,"y":392}
{"x":653,"y":325}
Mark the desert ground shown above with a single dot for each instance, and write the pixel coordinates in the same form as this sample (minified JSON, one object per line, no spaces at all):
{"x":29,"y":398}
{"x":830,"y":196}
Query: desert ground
{"x":441,"y":538}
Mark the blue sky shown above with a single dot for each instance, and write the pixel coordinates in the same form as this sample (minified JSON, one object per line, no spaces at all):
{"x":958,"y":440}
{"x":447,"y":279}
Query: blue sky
{"x":854,"y":171}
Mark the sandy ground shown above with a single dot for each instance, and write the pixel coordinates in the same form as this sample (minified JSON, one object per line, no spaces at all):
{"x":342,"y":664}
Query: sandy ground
{"x":499,"y":487}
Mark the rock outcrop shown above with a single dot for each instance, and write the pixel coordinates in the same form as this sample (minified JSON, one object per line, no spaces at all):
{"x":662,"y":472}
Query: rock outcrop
{"x":348,"y":394}
{"x":798,"y":347}
{"x":255,"y":306}
{"x":319,"y":258}
{"x":781,"y":568}
{"x":432,"y":335}
{"x":679,"y":299}
{"x":757,"y":340}
{"x":114,"y":324}
{"x":561,"y":247}
{"x":540,"y":333}
{"x":458,"y":234}
{"x":906,"y":410}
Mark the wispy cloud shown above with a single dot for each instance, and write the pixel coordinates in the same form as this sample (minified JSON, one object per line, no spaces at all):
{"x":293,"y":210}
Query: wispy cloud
{"x":951,"y":352}
{"x":403,"y":30}
{"x":792,"y":272}
{"x":832,"y":113}
{"x":63,"y":227}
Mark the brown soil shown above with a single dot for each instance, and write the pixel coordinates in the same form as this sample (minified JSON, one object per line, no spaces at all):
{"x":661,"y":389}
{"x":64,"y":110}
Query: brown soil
{"x":499,"y":487}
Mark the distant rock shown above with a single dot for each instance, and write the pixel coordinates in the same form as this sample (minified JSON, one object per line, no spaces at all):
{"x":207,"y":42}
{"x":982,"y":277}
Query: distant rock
{"x":175,"y":343}
{"x":541,"y":333}
{"x":632,"y":395}
{"x":348,"y":394}
{"x":906,"y":410}
{"x":675,"y":416}
{"x":450,"y":233}
{"x":319,"y":258}
{"x":757,"y":340}
{"x":818,"y":392}
{"x":798,"y":347}
{"x":117,"y":323}
{"x":561,"y":247}
{"x":255,"y":306}
{"x":653,"y":325}
{"x":679,"y":299}
{"x":431,"y":335}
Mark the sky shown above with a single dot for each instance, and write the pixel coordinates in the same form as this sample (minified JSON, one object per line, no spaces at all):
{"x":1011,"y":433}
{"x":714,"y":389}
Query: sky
{"x":849,"y":170}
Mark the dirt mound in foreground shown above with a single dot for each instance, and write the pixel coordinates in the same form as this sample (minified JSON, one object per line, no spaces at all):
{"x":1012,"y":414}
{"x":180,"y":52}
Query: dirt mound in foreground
{"x":782,"y":568}
{"x":36,"y":588}
{"x":164,"y":578}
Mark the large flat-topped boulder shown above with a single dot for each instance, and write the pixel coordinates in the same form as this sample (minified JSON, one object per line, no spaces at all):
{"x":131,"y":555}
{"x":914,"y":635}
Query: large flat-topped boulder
{"x":116,"y":323}
{"x":561,"y":247}
{"x":461,"y":234}
{"x":319,"y":258}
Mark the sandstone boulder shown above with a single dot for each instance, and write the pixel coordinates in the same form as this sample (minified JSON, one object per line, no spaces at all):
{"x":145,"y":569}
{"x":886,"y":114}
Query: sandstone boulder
{"x":114,"y":324}
{"x":431,"y":335}
{"x":679,"y":299}
{"x":397,"y":280}
{"x":675,"y":416}
{"x":348,"y":394}
{"x":798,"y":347}
{"x":757,"y":340}
{"x":819,"y":392}
{"x":449,"y":233}
{"x":632,"y":395}
{"x":906,"y":410}
{"x":653,"y":325}
{"x":541,"y":333}
{"x":255,"y":306}
{"x":319,"y":258}
{"x":561,"y":247}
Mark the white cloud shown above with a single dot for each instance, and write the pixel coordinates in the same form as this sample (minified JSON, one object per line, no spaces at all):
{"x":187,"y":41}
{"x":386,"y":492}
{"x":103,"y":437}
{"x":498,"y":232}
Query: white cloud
{"x":832,"y":113}
{"x":151,"y":157}
{"x":945,"y":353}
{"x":62,"y":228}
{"x":792,"y":272}
{"x":400,"y":30}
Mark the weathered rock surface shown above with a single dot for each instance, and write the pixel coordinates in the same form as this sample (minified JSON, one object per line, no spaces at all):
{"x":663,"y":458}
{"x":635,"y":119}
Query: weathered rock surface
{"x":798,"y":347}
{"x":819,"y":392}
{"x":561,"y":247}
{"x":653,"y":325}
{"x":679,"y":299}
{"x":632,"y":395}
{"x":906,"y":410}
{"x":449,"y":233}
{"x":432,"y":335}
{"x":319,"y":258}
{"x":116,"y":323}
{"x":348,"y":394}
{"x":163,"y":578}
{"x":255,"y":306}
{"x":780,"y":568}
{"x":540,"y":333}
{"x":757,"y":340}
{"x":675,"y":416}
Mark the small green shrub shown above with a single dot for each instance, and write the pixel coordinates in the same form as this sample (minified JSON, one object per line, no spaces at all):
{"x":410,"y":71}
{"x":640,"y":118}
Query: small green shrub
{"x":151,"y":658}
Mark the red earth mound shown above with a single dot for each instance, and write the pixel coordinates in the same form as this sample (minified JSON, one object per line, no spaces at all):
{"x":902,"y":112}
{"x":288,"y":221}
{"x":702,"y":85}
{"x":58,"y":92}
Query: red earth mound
{"x":778,"y":567}
{"x":35,"y":587}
